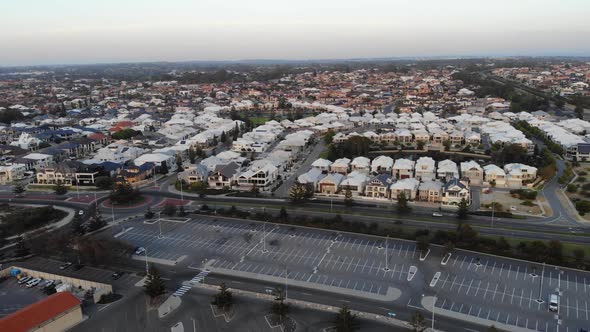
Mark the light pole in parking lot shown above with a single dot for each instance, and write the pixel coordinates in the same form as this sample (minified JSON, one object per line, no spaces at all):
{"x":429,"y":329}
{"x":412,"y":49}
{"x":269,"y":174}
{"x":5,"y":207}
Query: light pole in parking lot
{"x":286,"y":282}
{"x":493,"y":207}
{"x":540,"y":300}
{"x":433,"y":307}
{"x":147,"y":268}
{"x":386,"y":268}
{"x":160,"y":224}
{"x":113,"y":211}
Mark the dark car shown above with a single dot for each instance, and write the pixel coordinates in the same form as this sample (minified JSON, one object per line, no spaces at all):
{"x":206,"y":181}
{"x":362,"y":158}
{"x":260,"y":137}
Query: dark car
{"x":77,"y":267}
{"x":65,"y":265}
{"x":117,"y":275}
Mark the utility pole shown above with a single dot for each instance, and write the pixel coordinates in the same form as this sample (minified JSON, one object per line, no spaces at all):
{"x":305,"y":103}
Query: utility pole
{"x":113,"y":211}
{"x":286,"y":282}
{"x":147,"y":268}
{"x":77,"y":189}
{"x":181,"y":196}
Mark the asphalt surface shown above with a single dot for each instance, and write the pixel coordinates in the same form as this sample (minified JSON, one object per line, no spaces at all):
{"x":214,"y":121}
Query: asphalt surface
{"x":369,"y":270}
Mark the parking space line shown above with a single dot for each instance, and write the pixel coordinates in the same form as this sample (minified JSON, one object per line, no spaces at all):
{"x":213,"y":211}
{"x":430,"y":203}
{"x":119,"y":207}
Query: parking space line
{"x":512,"y":298}
{"x":495,"y":290}
{"x":504,"y":293}
{"x":521,"y":297}
{"x":509,"y":269}
{"x":486,"y":292}
{"x":468,"y":288}
{"x":461,"y":285}
{"x":477,"y":290}
{"x":453,"y":283}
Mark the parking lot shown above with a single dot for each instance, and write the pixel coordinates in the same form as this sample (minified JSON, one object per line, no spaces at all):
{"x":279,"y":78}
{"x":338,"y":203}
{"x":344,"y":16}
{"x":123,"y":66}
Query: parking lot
{"x":493,"y":288}
{"x":15,"y":296}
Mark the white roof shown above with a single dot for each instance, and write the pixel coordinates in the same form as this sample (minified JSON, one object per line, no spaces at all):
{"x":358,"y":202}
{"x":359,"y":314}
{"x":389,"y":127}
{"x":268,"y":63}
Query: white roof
{"x":321,"y":163}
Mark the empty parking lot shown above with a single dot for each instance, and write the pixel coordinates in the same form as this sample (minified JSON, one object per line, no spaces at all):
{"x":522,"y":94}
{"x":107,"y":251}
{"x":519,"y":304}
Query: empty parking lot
{"x":500,"y":290}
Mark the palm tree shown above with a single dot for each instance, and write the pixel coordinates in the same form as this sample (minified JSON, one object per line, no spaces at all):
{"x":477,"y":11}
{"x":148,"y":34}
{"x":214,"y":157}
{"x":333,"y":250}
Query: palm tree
{"x":345,"y":321}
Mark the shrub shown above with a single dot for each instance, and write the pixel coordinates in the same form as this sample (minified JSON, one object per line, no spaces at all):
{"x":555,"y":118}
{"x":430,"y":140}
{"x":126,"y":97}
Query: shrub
{"x":583,"y":206}
{"x":581,"y":179}
{"x":572,"y":188}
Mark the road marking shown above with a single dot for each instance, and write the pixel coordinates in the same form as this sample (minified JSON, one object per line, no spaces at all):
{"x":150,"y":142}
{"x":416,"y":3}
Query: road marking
{"x":468,"y":288}
{"x":504,"y":293}
{"x":461,"y":285}
{"x":495,"y":290}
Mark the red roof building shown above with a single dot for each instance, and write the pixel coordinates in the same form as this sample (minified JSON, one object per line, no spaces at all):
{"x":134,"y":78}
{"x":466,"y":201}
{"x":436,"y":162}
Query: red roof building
{"x":57,"y":312}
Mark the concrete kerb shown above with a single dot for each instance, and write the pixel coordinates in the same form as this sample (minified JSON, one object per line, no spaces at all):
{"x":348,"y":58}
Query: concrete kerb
{"x":315,"y":306}
{"x":428,"y":302}
{"x":391,"y":295}
{"x":172,"y":303}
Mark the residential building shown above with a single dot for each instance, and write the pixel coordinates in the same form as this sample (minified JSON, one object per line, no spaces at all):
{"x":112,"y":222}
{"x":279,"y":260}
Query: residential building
{"x":378,"y":186}
{"x":330,"y":183}
{"x":472,"y":171}
{"x":430,"y":191}
{"x":403,"y":168}
{"x":454,"y":191}
{"x":407,"y":186}
{"x":382,"y":164}
{"x":425,"y":169}
{"x":341,"y":166}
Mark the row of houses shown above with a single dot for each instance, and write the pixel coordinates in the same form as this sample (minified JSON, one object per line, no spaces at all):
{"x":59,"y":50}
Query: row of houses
{"x":427,"y":169}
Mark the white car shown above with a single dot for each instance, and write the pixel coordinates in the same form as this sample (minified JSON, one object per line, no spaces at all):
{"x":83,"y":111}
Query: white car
{"x":23,"y":280}
{"x":33,"y":282}
{"x":81,"y":212}
{"x":46,"y":283}
{"x":139,"y":250}
{"x":437,"y":214}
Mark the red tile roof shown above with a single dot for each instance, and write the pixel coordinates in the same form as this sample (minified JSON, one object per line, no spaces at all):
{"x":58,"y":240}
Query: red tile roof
{"x":39,"y":312}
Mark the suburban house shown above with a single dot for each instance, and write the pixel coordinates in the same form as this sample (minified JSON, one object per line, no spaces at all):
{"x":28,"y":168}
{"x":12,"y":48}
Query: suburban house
{"x":361,"y":164}
{"x":355,"y":182}
{"x":10,"y":173}
{"x":403,"y":168}
{"x":378,"y":186}
{"x":262,"y":177}
{"x":454,"y":191}
{"x":518,"y":175}
{"x":133,"y":173}
{"x":330,"y":183}
{"x":472,"y":171}
{"x":407,"y":186}
{"x":425,"y":169}
{"x":223,"y":175}
{"x":494,"y":175}
{"x":447,"y":169}
{"x":430,"y":191}
{"x":341,"y":166}
{"x":198,"y":173}
{"x":322,"y":164}
{"x":313,"y":176}
{"x":382,"y":164}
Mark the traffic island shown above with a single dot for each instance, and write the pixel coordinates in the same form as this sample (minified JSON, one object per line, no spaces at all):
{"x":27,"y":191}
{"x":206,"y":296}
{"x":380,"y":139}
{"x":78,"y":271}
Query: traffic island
{"x":286,"y":324}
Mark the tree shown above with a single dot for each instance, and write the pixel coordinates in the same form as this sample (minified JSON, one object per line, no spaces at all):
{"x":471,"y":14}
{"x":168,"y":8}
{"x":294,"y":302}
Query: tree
{"x":255,"y":189}
{"x":418,"y":322}
{"x":345,"y":321}
{"x":181,"y":211}
{"x":402,"y":203}
{"x":154,"y":285}
{"x":149,"y":214}
{"x":579,"y":255}
{"x":96,"y":223}
{"x":420,"y":145}
{"x":348,"y":201}
{"x":447,"y":145}
{"x":555,"y":251}
{"x":223,"y":137}
{"x":463,"y":210}
{"x":192,"y":155}
{"x":329,"y":136}
{"x":492,"y":329}
{"x":179,"y":167}
{"x":18,"y":189}
{"x":283,"y":215}
{"x":77,"y":228}
{"x":169,"y":209}
{"x":103,"y":182}
{"x":164,"y":168}
{"x":124,"y":193}
{"x":224,"y":299}
{"x":60,"y":189}
{"x":279,"y":307}
{"x":422,"y":243}
{"x":297,"y":194}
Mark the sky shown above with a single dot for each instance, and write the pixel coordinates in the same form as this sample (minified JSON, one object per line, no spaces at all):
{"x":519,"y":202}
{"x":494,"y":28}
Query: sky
{"x":34,"y":32}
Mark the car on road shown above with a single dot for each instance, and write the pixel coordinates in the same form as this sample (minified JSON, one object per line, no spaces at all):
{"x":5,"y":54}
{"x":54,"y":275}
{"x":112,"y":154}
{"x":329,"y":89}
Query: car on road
{"x":554,"y":303}
{"x":77,"y":267}
{"x":65,"y":265}
{"x":139,"y":250}
{"x":117,"y":275}
{"x":24,"y":279}
{"x":81,"y":212}
{"x":437,"y":214}
{"x":33,"y":282}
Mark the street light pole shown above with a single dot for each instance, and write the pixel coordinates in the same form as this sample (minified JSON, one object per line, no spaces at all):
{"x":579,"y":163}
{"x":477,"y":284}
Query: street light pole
{"x":433,"y":306}
{"x":286,"y":283}
{"x":181,"y":196}
{"x":113,"y":211}
{"x":387,"y":253}
{"x":160,"y":223}
{"x":147,"y":268}
{"x":493,"y":207}
{"x":541,"y":286}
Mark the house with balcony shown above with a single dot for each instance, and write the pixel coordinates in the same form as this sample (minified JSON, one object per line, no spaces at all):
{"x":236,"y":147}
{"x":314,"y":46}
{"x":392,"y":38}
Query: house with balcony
{"x":454,"y":191}
{"x":519,"y":175}
{"x":330,"y":183}
{"x":473,"y":172}
{"x":355,"y":182}
{"x":403,"y":168}
{"x":341,"y":166}
{"x":262,"y":177}
{"x":223,"y":176}
{"x":425,"y":169}
{"x":378,"y":186}
{"x":430,"y":191}
{"x":446,"y":170}
{"x":495,"y":176}
{"x":407,"y":186}
{"x":382,"y":164}
{"x":361,"y":164}
{"x":322,"y":164}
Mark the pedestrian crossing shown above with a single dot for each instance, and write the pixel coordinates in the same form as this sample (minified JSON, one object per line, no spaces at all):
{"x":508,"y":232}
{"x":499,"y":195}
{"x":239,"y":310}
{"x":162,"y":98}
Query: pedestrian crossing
{"x":196,"y":279}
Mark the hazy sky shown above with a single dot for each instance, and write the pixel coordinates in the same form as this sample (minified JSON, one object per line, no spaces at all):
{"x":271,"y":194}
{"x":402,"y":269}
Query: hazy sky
{"x":90,"y":31}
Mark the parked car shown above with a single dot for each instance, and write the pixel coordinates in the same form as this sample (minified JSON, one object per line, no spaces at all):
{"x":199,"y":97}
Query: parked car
{"x":77,"y":267}
{"x":45,"y":283}
{"x":24,"y":279}
{"x":65,"y":265}
{"x":139,"y":250}
{"x":33,"y":282}
{"x":81,"y":212}
{"x":554,"y":303}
